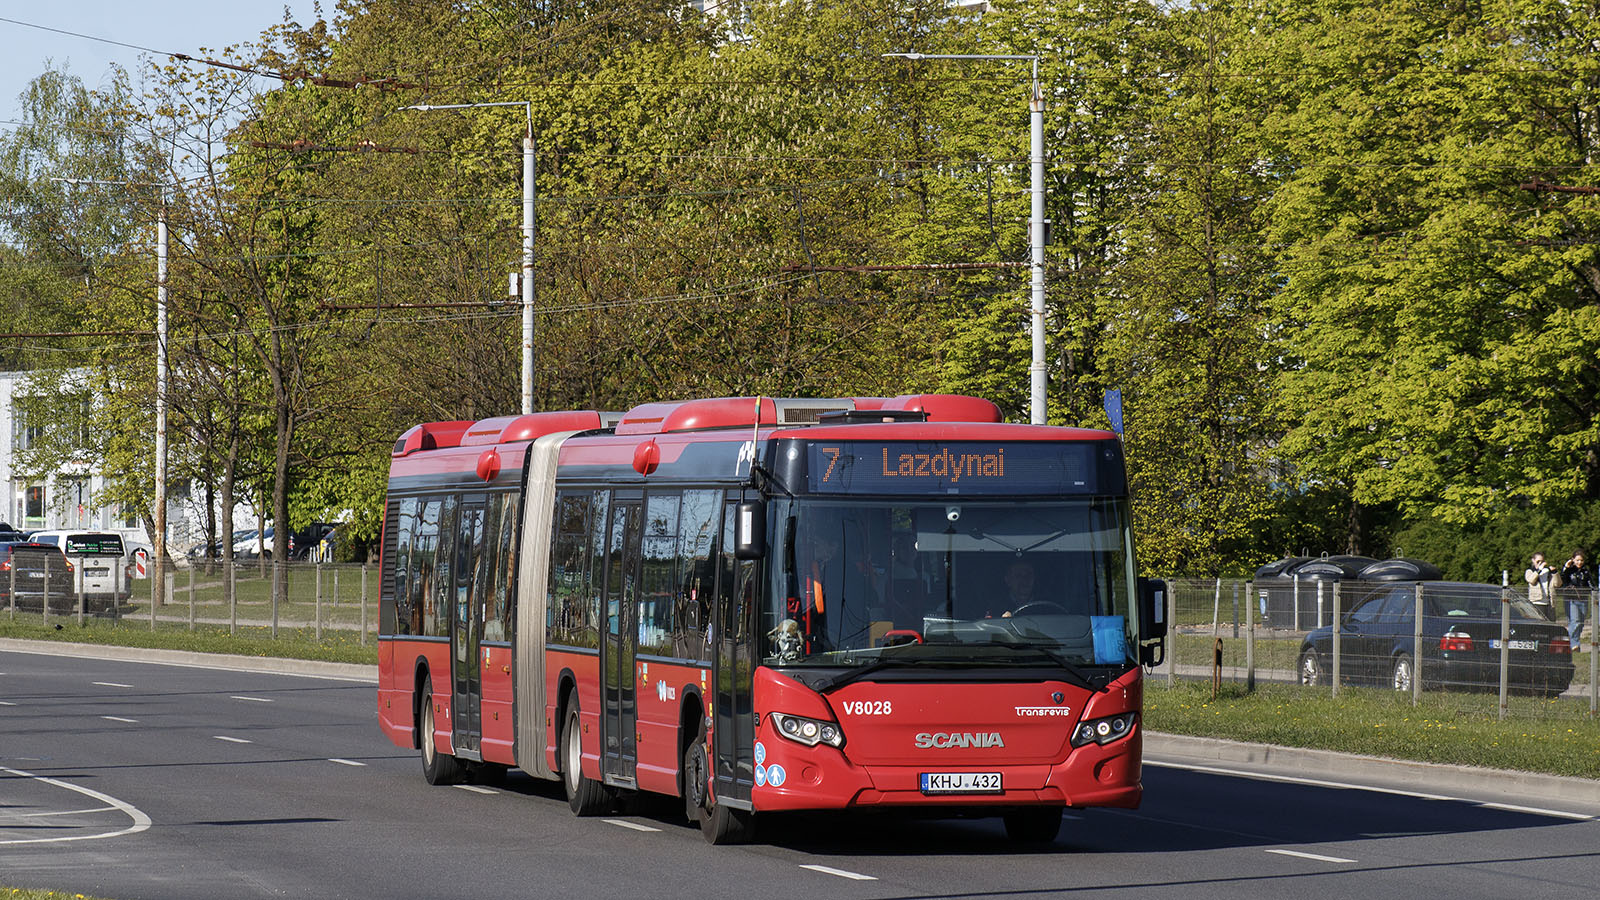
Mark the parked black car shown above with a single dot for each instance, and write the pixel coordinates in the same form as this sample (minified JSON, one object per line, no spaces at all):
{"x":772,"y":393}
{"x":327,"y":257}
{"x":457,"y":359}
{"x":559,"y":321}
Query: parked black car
{"x":1297,"y":592}
{"x":30,"y":571}
{"x":1460,"y":641}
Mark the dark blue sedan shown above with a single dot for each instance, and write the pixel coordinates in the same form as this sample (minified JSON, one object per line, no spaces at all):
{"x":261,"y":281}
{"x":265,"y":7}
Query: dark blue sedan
{"x":1461,"y":641}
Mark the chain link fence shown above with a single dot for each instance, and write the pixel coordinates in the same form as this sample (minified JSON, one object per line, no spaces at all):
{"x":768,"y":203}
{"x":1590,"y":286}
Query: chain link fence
{"x":1480,"y":648}
{"x":321,"y":599}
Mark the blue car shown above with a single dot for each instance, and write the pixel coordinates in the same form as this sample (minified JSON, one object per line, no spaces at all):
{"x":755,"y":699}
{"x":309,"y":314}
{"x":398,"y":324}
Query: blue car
{"x":1461,"y":642}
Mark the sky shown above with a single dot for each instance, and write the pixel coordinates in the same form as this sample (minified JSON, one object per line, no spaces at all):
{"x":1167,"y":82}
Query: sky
{"x":170,"y":26}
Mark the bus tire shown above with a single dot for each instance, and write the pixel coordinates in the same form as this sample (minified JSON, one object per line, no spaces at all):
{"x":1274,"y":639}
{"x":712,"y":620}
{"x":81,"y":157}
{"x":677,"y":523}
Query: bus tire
{"x":1033,"y":824}
{"x":696,"y":775}
{"x":585,"y":796}
{"x":437,"y":768}
{"x":719,"y":824}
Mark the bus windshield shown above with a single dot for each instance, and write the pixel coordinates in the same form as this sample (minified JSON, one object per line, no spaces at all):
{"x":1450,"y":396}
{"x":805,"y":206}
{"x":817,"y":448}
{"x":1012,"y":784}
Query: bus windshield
{"x":928,"y":581}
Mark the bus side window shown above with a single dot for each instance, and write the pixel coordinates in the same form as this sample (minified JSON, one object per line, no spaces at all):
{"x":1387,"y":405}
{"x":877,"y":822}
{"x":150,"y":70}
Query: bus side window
{"x":568,"y":609}
{"x":404,"y":533}
{"x":599,"y":513}
{"x":419,"y":585}
{"x":656,"y":600}
{"x":443,"y":575}
{"x":697,"y":532}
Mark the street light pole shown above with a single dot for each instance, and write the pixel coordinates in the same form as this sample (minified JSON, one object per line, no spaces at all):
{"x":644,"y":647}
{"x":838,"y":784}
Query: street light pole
{"x":158,"y":567}
{"x":530,"y":227}
{"x":1038,"y":378}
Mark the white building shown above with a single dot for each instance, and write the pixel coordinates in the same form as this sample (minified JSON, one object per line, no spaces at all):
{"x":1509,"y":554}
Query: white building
{"x":62,"y":499}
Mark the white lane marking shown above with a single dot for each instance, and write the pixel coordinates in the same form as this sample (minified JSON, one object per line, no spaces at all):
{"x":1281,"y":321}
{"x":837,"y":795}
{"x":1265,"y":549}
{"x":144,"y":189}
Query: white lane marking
{"x":1420,"y":795}
{"x":829,"y":870}
{"x":347,"y":762}
{"x":113,"y":684}
{"x":58,"y":812}
{"x":476,"y":789}
{"x":1315,"y":856}
{"x":140,"y":820}
{"x":634,"y":825}
{"x":120,"y":719}
{"x":231,"y":740}
{"x":253,"y":699}
{"x":6,"y":703}
{"x":1072,"y":817}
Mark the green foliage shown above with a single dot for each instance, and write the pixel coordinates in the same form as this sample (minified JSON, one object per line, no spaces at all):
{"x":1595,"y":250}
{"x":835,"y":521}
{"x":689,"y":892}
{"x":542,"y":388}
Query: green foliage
{"x":1504,"y":543}
{"x":1309,"y":243}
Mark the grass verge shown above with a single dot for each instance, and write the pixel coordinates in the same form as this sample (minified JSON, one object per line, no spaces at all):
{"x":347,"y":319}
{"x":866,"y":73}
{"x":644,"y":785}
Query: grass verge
{"x":1549,"y":736}
{"x":11,"y":893}
{"x":291,"y":643}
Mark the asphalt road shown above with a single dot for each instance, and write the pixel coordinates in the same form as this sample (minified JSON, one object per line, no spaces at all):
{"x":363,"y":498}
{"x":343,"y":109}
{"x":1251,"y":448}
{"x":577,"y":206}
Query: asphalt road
{"x":135,"y":780}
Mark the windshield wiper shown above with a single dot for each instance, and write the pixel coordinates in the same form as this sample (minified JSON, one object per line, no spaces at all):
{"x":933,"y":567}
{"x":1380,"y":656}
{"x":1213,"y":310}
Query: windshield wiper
{"x":1096,"y":683}
{"x":856,"y":674}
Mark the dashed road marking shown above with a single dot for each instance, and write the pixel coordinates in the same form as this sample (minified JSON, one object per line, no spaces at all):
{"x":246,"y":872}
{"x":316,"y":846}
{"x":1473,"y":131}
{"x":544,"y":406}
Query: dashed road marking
{"x":625,"y":824}
{"x":253,"y":699}
{"x":347,"y":762}
{"x":476,"y":789}
{"x":6,"y":703}
{"x":1316,"y":856}
{"x":232,"y":740}
{"x":113,"y":684}
{"x":120,"y":719}
{"x":829,"y":870}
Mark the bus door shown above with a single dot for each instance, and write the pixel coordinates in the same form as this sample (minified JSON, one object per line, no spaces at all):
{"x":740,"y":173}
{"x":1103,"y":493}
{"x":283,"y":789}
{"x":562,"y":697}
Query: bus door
{"x":466,"y":631}
{"x":733,"y":728}
{"x":621,"y":642}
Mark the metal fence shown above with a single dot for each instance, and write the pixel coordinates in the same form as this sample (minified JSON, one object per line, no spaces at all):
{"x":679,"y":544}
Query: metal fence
{"x":1477,"y":647}
{"x":319,"y":600}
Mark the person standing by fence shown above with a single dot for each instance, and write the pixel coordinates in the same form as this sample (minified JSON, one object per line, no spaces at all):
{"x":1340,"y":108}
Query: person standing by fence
{"x":1578,"y":580}
{"x":1542,"y":579}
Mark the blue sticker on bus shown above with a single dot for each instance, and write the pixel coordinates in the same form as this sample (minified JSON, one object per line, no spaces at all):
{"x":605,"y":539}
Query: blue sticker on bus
{"x":761,"y":753}
{"x":1110,"y":639}
{"x":761,"y":776}
{"x":775,"y":776}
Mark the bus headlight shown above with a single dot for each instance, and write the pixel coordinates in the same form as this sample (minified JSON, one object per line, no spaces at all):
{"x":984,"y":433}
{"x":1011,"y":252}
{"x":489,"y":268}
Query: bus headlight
{"x":810,"y":732}
{"x":1103,"y":731}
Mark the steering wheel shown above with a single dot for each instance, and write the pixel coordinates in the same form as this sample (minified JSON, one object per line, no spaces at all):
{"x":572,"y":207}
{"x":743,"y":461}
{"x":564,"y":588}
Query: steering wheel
{"x":1040,"y":607}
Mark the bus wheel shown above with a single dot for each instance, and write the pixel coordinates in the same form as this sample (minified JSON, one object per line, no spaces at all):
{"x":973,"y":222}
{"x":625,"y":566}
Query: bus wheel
{"x":438,"y":768}
{"x":585,"y":796}
{"x":696,"y":773}
{"x":719,"y":824}
{"x":1033,"y":824}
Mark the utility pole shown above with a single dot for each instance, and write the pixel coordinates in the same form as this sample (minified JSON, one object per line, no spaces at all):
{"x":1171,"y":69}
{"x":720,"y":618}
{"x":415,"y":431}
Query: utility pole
{"x":530,"y":227}
{"x":158,"y":569}
{"x":1038,"y":374}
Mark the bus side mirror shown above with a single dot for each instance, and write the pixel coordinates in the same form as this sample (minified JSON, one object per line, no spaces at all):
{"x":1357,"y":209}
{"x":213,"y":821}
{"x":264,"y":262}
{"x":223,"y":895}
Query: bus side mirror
{"x":1152,"y":620}
{"x":750,"y":530}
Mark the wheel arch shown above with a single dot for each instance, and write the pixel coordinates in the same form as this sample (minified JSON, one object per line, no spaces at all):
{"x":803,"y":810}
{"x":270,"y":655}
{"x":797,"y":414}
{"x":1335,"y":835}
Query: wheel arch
{"x":566,"y":691}
{"x":690,"y":716}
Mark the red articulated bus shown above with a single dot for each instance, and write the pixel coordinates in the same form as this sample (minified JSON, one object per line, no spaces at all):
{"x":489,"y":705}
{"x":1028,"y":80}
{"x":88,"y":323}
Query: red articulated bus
{"x":761,"y":605}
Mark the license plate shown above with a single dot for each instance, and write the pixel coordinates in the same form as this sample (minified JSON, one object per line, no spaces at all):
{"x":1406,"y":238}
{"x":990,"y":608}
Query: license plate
{"x":961,"y":783}
{"x":1515,"y":645}
{"x":97,"y":571}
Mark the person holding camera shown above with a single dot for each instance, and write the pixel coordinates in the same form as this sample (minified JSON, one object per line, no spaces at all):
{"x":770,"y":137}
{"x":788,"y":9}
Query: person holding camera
{"x":1542,"y":579}
{"x":1579,"y":581}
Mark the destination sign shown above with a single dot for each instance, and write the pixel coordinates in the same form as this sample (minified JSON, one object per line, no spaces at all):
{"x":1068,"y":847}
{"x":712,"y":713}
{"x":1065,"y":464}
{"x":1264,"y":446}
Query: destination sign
{"x":963,"y":467}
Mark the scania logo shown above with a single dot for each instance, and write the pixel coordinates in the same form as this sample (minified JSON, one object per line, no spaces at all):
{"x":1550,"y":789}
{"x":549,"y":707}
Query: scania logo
{"x":951,"y":740}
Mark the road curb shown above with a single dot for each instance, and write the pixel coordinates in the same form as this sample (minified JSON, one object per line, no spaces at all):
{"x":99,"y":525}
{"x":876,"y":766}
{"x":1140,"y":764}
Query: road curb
{"x":262,"y":664}
{"x":1509,"y":784}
